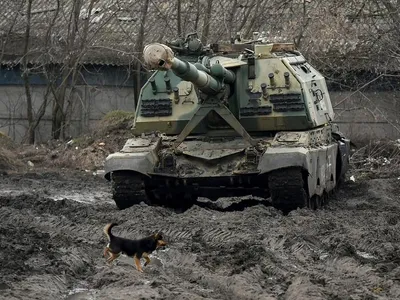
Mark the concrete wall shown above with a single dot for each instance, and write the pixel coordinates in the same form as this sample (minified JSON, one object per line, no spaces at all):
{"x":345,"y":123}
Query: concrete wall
{"x":91,"y":104}
{"x":361,"y":116}
{"x":368,"y":115}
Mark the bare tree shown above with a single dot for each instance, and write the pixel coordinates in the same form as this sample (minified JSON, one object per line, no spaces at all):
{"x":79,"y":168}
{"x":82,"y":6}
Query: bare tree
{"x":305,"y":20}
{"x":179,"y":16}
{"x":248,"y":9}
{"x":197,"y":19}
{"x":4,"y":39}
{"x":58,"y":116}
{"x":258,"y":10}
{"x":339,"y":37}
{"x":139,"y":46}
{"x":63,"y":81}
{"x":207,"y":20}
{"x":25,"y":75}
{"x":231,"y":18}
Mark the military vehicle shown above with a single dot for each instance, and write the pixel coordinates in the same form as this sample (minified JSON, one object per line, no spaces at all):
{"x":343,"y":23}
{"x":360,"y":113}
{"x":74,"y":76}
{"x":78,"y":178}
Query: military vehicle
{"x":247,"y":117}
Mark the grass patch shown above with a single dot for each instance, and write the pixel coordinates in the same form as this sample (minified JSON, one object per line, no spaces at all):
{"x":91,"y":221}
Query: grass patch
{"x":8,"y":157}
{"x":6,"y":142}
{"x":377,"y":159}
{"x":117,"y":119}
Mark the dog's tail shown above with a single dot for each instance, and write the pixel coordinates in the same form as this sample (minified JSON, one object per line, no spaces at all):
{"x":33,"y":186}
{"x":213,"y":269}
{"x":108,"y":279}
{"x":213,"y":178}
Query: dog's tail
{"x":107,"y":230}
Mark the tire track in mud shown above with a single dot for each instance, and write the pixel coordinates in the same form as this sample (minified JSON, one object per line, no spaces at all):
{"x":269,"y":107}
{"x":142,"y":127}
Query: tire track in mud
{"x":48,"y":221}
{"x":62,"y":244}
{"x":252,"y":253}
{"x":177,"y":234}
{"x":188,"y":267}
{"x":217,"y":238}
{"x":189,"y":270}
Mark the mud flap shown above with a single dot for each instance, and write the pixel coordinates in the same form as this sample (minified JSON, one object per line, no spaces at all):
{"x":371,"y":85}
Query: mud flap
{"x":343,"y":160}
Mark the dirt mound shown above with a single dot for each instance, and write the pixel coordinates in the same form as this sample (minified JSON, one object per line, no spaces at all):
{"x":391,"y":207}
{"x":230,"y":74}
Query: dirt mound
{"x":87,"y":152}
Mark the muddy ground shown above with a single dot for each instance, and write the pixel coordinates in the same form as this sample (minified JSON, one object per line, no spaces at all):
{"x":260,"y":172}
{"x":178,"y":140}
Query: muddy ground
{"x":51,"y":244}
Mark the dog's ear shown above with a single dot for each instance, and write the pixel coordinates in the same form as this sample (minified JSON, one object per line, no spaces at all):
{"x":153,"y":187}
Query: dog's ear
{"x":158,"y":235}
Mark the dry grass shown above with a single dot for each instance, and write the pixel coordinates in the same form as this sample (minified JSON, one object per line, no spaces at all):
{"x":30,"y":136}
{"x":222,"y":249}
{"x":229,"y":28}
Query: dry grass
{"x":8,"y":154}
{"x":8,"y":160}
{"x":88,"y":152}
{"x":377,"y":159}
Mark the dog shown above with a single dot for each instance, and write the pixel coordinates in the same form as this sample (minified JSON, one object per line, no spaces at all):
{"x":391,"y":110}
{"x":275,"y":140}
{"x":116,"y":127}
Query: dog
{"x":132,"y":248}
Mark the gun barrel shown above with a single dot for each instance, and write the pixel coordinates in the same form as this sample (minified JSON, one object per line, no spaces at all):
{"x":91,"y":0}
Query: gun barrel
{"x":161,"y":57}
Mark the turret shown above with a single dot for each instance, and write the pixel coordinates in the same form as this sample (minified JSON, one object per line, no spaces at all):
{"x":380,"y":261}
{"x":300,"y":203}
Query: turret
{"x":208,"y":80}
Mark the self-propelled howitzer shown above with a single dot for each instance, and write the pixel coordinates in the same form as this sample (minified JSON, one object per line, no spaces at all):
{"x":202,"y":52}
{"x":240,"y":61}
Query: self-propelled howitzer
{"x":246,"y":118}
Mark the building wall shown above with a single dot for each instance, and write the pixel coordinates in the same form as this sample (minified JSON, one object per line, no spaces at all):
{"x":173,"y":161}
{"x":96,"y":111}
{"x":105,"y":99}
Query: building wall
{"x":99,"y":89}
{"x":365,"y":116}
{"x":361,"y":116}
{"x":91,"y":104}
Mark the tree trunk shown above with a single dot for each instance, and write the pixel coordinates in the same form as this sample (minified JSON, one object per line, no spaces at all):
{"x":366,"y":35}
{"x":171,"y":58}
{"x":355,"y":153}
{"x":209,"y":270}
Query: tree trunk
{"x":206,"y":24}
{"x":29,"y":110}
{"x":58,"y":107}
{"x":139,"y":48}
{"x":257,"y":12}
{"x":179,"y":17}
{"x":231,"y":18}
{"x":196,"y":21}
{"x":247,"y":12}
{"x":305,"y":21}
{"x":58,"y":116}
{"x":25,"y":75}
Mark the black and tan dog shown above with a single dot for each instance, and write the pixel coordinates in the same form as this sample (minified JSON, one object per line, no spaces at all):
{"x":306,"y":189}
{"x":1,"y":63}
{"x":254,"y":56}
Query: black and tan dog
{"x":132,"y":248}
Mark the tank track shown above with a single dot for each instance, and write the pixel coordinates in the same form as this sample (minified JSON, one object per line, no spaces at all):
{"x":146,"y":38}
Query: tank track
{"x":127,"y":190}
{"x":175,"y":199}
{"x":287,"y":189}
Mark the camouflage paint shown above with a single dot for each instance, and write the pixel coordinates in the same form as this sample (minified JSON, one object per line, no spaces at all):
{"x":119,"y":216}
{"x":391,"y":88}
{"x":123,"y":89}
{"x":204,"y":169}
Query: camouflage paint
{"x":292,"y":125}
{"x":304,"y":81}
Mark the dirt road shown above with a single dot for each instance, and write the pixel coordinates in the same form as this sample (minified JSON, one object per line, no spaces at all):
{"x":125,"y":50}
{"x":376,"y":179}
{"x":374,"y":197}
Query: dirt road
{"x":51,"y":244}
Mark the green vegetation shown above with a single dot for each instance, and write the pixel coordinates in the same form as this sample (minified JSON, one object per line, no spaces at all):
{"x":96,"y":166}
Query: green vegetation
{"x":117,"y":119}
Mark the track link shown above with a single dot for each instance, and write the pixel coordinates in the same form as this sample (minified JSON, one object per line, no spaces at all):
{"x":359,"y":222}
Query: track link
{"x":127,"y":189}
{"x":287,"y":189}
{"x":176,"y":199}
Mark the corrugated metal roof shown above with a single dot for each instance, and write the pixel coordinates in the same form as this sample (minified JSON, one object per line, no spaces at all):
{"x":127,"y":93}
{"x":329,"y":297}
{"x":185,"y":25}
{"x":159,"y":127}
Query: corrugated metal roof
{"x":114,"y":26}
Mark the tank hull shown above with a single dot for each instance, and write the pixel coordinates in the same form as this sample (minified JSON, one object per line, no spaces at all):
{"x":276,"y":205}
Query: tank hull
{"x":215,"y":167}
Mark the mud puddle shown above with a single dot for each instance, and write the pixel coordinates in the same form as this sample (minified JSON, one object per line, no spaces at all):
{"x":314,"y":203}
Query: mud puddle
{"x":239,"y":249}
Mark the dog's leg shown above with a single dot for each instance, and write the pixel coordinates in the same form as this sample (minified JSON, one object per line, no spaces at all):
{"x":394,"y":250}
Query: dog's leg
{"x":137,"y":263}
{"x":112,"y":257}
{"x":106,"y":251}
{"x":147,"y":258}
